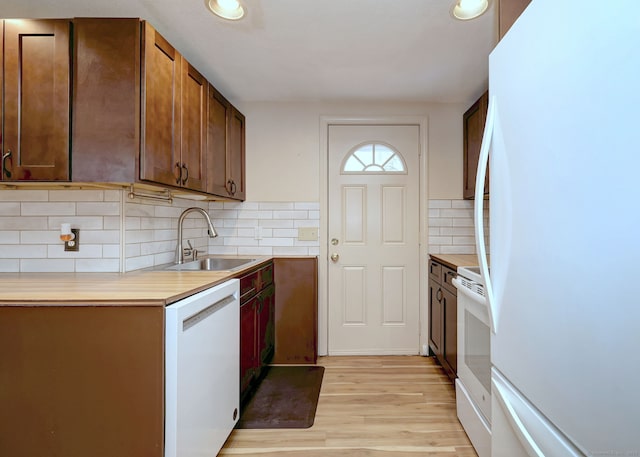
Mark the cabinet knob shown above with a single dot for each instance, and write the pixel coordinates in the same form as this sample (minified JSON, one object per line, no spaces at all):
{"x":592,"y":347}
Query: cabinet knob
{"x":231,"y":187}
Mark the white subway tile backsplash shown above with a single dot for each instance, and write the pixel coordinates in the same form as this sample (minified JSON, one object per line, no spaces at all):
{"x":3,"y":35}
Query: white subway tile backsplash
{"x":277,"y":206}
{"x":76,"y":196}
{"x":97,"y":265}
{"x":23,"y":251}
{"x":20,"y":195}
{"x":143,"y":232}
{"x":48,"y":209}
{"x":10,"y":208}
{"x":81,"y":222}
{"x":47,"y":265}
{"x":9,"y":265}
{"x":98,"y":209}
{"x":451,"y":227}
{"x":9,"y":237}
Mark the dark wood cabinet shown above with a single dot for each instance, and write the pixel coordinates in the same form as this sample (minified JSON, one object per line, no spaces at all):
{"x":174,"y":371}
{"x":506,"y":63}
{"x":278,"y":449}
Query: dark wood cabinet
{"x":296,"y":319}
{"x":35,"y":111}
{"x":508,"y":12}
{"x":160,"y":159}
{"x":473,"y":128}
{"x":106,"y":100}
{"x":144,"y":113}
{"x":257,"y":310}
{"x":174,"y":98}
{"x":443,"y":317}
{"x":225,"y":148}
{"x":82,"y":380}
{"x":193,"y":136}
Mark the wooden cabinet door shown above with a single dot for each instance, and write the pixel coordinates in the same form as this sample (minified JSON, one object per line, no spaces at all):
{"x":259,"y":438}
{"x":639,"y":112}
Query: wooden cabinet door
{"x":473,"y":128}
{"x":194,"y":123}
{"x":35,"y":137}
{"x":450,"y":353}
{"x":160,"y":155}
{"x":435,"y":318}
{"x":218,"y":112}
{"x":236,"y":178}
{"x":265,"y":328}
{"x":248,"y":350}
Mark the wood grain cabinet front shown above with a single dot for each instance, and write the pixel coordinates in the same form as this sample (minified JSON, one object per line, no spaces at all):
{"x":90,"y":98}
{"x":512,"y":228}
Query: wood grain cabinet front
{"x":82,"y":380}
{"x":35,"y":99}
{"x":473,"y":128}
{"x":443,"y":317}
{"x":257,"y":302}
{"x":174,"y":98}
{"x":143,"y":113}
{"x":225,"y":148}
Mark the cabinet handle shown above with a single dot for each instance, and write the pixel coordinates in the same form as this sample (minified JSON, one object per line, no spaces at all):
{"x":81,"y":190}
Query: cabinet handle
{"x":186,"y":178}
{"x":231,"y":187}
{"x":5,"y":170}
{"x":439,"y":295}
{"x":179,"y":178}
{"x":447,"y":274}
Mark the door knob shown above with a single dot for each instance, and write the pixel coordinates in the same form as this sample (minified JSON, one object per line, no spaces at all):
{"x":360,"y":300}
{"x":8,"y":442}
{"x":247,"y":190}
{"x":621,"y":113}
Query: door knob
{"x":335,"y":256}
{"x":334,"y":241}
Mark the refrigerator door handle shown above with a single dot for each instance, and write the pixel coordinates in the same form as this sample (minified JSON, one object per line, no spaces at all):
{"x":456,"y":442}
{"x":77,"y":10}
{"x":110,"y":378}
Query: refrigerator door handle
{"x":538,"y":437}
{"x":478,"y":212}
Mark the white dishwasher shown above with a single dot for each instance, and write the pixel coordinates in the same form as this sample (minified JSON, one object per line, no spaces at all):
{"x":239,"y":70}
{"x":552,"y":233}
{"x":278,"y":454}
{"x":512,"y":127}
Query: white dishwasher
{"x":202,"y":371}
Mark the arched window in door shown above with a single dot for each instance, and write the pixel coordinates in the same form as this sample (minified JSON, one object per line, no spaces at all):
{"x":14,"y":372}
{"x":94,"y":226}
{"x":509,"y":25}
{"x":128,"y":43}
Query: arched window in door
{"x":373,"y":158}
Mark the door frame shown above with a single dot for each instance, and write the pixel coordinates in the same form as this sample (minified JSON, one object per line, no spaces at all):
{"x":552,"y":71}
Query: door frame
{"x":323,"y":259}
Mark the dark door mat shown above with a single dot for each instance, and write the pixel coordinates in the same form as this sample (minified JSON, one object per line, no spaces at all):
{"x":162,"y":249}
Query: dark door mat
{"x":287,"y":397}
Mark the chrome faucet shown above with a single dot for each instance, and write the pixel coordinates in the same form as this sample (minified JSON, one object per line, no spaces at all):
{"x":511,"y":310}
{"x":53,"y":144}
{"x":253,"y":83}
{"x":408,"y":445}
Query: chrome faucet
{"x":211,"y":230}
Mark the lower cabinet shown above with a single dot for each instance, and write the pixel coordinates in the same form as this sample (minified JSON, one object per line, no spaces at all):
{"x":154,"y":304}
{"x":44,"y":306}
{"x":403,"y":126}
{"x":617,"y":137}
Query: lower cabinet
{"x":296,"y":310}
{"x":82,"y":380}
{"x":257,"y":334}
{"x":443,"y":317}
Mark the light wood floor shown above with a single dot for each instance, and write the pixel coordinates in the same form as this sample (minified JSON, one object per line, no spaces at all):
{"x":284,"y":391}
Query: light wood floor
{"x":391,"y":406}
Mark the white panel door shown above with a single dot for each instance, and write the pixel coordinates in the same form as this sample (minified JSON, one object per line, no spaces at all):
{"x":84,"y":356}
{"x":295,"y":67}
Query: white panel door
{"x":373,"y":273}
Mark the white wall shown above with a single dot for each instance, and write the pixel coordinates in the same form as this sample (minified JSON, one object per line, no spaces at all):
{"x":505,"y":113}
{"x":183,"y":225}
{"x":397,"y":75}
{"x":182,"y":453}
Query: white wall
{"x":283,"y":141}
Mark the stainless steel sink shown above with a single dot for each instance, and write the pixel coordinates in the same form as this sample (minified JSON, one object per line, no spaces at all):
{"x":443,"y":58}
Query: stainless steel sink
{"x":213,"y":264}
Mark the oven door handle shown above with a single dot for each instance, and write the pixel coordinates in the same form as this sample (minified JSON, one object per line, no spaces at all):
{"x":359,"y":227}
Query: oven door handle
{"x":468,"y":293}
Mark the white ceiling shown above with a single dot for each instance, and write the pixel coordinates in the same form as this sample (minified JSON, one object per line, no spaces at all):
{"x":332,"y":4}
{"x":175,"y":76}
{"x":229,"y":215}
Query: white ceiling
{"x":321,"y":50}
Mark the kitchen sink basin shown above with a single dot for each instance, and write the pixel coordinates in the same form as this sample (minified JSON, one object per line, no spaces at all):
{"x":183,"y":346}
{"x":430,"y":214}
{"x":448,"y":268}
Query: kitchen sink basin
{"x":213,"y":264}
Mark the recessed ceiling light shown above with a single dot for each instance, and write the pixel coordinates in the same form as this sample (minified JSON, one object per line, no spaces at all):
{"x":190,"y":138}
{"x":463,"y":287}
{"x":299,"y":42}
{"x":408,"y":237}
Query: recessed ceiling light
{"x":469,"y":9}
{"x":226,"y":9}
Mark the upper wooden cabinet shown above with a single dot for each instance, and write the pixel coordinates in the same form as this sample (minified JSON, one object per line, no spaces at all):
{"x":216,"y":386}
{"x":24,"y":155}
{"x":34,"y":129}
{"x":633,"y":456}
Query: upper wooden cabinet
{"x":225,"y":148}
{"x":473,"y":128}
{"x":174,"y":98}
{"x":143,"y":113}
{"x":36,"y":105}
{"x":508,"y":12}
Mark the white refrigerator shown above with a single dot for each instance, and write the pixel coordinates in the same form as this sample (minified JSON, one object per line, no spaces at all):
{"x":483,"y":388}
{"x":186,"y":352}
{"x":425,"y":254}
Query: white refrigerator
{"x":563,"y":140}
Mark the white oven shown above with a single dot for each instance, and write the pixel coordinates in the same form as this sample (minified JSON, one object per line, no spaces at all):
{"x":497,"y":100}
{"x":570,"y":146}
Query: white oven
{"x":473,"y":386}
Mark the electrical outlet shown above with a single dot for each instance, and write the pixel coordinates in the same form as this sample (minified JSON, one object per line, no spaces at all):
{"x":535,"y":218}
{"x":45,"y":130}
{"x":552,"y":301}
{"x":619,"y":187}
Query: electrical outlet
{"x":307,"y":233}
{"x":74,"y":244}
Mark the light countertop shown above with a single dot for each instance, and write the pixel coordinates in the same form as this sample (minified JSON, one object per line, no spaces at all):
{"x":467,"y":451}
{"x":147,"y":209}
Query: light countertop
{"x":456,"y":260}
{"x":137,"y":288}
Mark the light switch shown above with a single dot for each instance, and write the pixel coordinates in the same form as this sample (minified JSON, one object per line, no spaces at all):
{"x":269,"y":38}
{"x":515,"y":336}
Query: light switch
{"x":307,"y":233}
